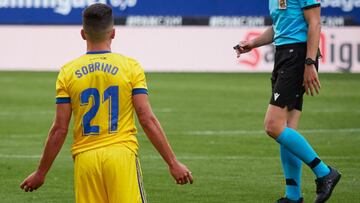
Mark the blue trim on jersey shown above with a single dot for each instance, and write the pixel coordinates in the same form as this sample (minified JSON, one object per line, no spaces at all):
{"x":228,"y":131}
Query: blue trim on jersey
{"x":98,"y":52}
{"x":63,"y":100}
{"x":139,"y":91}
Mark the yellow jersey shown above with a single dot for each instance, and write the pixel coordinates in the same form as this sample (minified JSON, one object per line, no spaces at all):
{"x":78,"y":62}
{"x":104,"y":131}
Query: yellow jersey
{"x":100,"y":85}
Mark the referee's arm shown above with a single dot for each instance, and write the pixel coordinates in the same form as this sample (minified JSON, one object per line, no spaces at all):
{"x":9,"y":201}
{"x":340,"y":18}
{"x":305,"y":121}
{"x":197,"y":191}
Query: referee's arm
{"x":311,"y":79}
{"x":265,"y":38}
{"x":312,"y":17}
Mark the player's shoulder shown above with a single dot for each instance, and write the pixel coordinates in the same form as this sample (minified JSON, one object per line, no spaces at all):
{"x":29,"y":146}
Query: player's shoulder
{"x":125,"y":58}
{"x":130,"y":63}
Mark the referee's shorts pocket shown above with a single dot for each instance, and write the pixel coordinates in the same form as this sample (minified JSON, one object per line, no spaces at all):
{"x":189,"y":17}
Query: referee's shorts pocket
{"x":292,"y":67}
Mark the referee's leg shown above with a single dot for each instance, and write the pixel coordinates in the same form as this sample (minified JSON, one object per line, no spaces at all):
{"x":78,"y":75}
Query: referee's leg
{"x":275,"y":126}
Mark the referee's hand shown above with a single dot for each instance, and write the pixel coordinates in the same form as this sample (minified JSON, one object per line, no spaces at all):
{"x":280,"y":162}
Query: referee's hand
{"x":311,"y":80}
{"x":242,"y":47}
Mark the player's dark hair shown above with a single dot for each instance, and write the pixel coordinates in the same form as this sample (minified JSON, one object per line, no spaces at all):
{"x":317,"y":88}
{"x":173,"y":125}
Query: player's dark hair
{"x":97,"y":20}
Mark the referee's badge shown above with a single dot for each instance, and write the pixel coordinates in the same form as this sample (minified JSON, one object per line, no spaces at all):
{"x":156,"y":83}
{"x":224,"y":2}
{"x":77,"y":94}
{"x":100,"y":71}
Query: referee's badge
{"x":282,"y":4}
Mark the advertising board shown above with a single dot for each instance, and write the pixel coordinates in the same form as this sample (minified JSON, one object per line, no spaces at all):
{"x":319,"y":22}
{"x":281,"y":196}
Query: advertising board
{"x":168,"y":49}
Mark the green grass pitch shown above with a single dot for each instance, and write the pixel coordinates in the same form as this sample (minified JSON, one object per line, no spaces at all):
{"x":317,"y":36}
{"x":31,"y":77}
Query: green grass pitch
{"x":214,"y":123}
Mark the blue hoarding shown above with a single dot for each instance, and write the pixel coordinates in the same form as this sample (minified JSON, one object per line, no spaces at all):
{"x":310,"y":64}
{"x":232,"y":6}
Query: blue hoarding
{"x":69,"y":11}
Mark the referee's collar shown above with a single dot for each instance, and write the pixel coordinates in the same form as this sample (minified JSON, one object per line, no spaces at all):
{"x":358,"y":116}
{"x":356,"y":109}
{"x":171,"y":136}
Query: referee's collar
{"x":98,"y":52}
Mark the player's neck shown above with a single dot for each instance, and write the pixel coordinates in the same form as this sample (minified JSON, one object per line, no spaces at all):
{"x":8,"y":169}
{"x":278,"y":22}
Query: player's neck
{"x":102,"y":46}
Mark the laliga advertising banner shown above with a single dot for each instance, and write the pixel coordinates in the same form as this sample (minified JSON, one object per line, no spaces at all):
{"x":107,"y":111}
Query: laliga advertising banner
{"x":169,"y":49}
{"x":340,"y":50}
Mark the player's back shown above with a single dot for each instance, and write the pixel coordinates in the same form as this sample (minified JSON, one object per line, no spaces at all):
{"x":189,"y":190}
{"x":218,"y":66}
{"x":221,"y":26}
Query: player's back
{"x":99,"y":86}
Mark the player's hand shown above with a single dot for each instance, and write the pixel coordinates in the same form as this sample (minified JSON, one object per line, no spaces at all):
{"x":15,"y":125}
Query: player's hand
{"x":243,"y":47}
{"x":181,"y":173}
{"x":311,"y":80}
{"x":33,"y":182}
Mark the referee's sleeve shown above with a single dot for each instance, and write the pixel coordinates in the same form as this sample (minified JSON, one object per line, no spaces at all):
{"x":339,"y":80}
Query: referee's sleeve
{"x":306,"y":4}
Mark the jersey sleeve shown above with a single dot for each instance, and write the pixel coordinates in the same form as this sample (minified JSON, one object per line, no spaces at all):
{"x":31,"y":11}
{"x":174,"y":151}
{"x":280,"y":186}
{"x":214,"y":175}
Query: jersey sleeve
{"x":309,"y":3}
{"x":138,"y":82}
{"x":62,"y":95}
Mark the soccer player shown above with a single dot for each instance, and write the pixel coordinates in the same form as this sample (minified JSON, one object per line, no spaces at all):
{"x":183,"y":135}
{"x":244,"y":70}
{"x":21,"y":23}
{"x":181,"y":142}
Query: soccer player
{"x":296,"y":33}
{"x":102,"y":90}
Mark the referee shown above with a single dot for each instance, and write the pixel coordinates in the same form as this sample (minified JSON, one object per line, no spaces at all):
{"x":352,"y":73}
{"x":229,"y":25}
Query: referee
{"x":296,"y":32}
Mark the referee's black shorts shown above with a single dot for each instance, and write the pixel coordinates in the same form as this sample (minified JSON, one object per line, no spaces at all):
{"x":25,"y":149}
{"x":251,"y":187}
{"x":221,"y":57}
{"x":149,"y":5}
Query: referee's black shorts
{"x":288,"y":75}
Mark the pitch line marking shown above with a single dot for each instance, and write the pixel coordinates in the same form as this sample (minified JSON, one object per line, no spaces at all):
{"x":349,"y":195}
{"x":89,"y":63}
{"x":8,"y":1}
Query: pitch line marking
{"x":206,"y":132}
{"x":26,"y":113}
{"x":50,"y":112}
{"x":7,"y":112}
{"x":247,"y":132}
{"x":19,"y":156}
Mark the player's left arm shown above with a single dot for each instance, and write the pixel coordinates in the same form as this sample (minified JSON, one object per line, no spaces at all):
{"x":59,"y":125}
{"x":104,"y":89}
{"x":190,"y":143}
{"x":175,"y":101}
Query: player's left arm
{"x":311,"y":79}
{"x":55,"y":141}
{"x":156,"y":135}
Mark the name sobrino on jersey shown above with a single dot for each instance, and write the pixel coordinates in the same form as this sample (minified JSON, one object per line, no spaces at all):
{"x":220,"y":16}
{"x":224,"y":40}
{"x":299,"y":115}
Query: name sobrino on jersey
{"x":94,"y":67}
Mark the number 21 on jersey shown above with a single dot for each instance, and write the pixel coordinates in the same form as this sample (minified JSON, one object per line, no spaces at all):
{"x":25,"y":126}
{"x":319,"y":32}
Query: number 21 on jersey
{"x":111,"y":94}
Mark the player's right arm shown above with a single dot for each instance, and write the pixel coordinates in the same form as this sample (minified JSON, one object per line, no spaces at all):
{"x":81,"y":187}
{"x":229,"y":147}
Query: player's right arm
{"x":156,"y":135}
{"x":56,"y":136}
{"x":265,"y":38}
{"x":55,"y":141}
